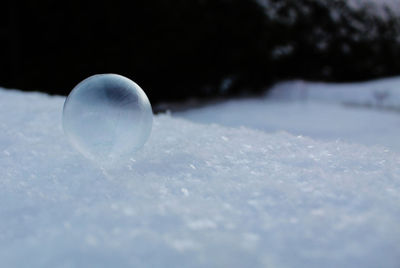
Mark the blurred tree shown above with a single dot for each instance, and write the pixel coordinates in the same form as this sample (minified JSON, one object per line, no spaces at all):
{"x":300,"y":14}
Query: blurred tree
{"x":329,"y":40}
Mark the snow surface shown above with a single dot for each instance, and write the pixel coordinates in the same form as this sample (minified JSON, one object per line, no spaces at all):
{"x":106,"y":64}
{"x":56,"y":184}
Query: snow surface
{"x":378,"y":94}
{"x":365,"y":113}
{"x":197,"y":195}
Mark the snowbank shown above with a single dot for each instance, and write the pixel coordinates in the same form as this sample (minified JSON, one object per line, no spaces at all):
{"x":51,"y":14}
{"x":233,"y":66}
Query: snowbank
{"x":354,"y":113}
{"x":380,"y":94}
{"x":195,"y":196}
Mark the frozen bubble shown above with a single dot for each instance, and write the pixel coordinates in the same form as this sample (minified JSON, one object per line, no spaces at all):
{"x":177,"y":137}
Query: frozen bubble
{"x":107,"y":117}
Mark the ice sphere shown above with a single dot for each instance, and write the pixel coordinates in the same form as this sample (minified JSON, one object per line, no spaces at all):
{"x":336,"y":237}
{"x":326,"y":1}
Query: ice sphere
{"x":107,"y":117}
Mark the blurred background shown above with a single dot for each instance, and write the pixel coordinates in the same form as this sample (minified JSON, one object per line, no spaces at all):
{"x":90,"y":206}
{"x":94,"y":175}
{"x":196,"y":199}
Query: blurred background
{"x":182,"y":49}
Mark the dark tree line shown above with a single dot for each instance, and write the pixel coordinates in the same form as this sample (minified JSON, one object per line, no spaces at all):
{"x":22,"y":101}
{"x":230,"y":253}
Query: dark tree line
{"x":183,"y":48}
{"x":330,"y":41}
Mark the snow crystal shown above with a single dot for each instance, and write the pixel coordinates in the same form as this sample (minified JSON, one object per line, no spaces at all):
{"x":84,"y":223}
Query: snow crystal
{"x":195,"y":196}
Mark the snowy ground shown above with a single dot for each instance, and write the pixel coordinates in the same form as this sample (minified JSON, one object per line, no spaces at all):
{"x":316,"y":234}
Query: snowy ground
{"x":365,"y":113}
{"x":205,"y":195}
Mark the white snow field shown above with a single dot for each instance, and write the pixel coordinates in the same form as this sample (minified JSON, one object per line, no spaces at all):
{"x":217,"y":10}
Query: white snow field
{"x":200,"y":195}
{"x":366,"y":113}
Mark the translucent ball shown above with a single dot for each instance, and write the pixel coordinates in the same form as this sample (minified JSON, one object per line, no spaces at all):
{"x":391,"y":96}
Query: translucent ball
{"x":107,"y":117}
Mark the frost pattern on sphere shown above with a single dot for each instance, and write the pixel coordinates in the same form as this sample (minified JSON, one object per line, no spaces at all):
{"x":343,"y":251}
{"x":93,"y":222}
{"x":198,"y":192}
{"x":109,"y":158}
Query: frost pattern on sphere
{"x":106,"y":117}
